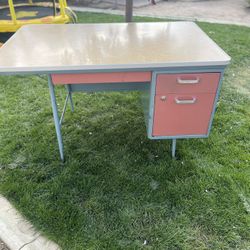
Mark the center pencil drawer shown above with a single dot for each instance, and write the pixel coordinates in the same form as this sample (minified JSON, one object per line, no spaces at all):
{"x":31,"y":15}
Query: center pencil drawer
{"x":187,"y":83}
{"x":104,"y":77}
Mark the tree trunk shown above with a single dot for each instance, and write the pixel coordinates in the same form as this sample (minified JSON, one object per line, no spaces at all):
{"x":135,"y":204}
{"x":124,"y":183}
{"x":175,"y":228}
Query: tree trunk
{"x":129,"y":11}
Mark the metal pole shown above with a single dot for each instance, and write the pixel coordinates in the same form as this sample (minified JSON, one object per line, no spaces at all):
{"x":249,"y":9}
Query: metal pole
{"x":70,"y":97}
{"x":56,"y":117}
{"x":12,"y":11}
{"x":129,"y":11}
{"x":173,"y":148}
{"x":64,"y":109}
{"x":62,"y":7}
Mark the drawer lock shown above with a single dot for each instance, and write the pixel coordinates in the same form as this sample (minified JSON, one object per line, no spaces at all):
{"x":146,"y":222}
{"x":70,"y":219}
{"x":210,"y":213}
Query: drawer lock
{"x":163,"y":98}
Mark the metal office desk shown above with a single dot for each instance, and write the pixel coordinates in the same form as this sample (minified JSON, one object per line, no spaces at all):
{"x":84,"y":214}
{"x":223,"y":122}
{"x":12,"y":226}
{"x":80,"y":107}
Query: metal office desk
{"x":175,"y":64}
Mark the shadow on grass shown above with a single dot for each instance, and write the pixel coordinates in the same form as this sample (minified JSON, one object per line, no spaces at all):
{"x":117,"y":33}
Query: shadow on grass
{"x":116,"y":189}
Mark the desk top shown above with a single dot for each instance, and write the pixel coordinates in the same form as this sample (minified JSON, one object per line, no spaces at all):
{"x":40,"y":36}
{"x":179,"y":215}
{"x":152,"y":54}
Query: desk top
{"x":56,"y":48}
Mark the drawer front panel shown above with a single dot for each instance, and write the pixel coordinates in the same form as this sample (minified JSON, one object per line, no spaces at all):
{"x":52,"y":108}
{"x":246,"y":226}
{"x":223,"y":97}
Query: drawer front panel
{"x":187,"y":83}
{"x":112,"y":77}
{"x":177,"y":114}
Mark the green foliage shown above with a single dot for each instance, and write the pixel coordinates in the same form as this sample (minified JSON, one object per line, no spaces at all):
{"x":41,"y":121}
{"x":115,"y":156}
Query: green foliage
{"x":117,"y":189}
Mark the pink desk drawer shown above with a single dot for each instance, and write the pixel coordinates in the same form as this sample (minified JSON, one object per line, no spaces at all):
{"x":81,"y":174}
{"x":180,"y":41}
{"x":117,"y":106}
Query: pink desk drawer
{"x":177,"y":114}
{"x":187,"y":83}
{"x":101,"y":77}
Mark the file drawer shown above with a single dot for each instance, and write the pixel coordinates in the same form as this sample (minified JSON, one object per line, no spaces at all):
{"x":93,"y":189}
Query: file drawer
{"x":182,"y":114}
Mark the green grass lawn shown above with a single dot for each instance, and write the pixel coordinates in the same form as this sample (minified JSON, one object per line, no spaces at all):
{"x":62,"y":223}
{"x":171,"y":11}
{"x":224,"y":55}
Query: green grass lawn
{"x":117,"y":189}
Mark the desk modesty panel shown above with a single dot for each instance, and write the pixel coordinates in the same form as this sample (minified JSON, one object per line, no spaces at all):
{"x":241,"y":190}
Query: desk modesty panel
{"x":55,"y":48}
{"x":175,"y":65}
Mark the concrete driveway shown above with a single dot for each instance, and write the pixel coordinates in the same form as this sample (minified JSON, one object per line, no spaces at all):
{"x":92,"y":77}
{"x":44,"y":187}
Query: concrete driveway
{"x":218,"y":11}
{"x":226,"y":11}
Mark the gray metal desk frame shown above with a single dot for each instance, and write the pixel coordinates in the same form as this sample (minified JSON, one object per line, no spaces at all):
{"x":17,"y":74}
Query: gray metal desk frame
{"x":148,"y":88}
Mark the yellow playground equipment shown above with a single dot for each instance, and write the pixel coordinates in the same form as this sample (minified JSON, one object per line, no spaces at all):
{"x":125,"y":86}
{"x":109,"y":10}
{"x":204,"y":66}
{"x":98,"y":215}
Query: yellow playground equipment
{"x":16,"y":13}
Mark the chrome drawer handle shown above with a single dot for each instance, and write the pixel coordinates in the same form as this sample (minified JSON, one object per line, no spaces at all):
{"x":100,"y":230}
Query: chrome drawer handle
{"x":188,"y":81}
{"x":189,"y":101}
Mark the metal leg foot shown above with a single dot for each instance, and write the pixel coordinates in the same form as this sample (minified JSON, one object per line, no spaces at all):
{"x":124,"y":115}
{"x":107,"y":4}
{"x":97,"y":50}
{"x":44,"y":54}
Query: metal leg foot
{"x":173,"y":148}
{"x":56,"y":117}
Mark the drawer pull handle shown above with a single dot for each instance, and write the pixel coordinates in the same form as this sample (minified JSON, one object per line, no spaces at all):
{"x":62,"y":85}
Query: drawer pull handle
{"x":188,"y":81}
{"x":189,"y":101}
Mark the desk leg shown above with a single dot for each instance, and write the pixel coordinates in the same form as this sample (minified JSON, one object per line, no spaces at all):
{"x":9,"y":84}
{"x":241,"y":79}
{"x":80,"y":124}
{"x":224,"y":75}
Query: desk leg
{"x":68,"y":87}
{"x":56,"y":117}
{"x":173,"y":147}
